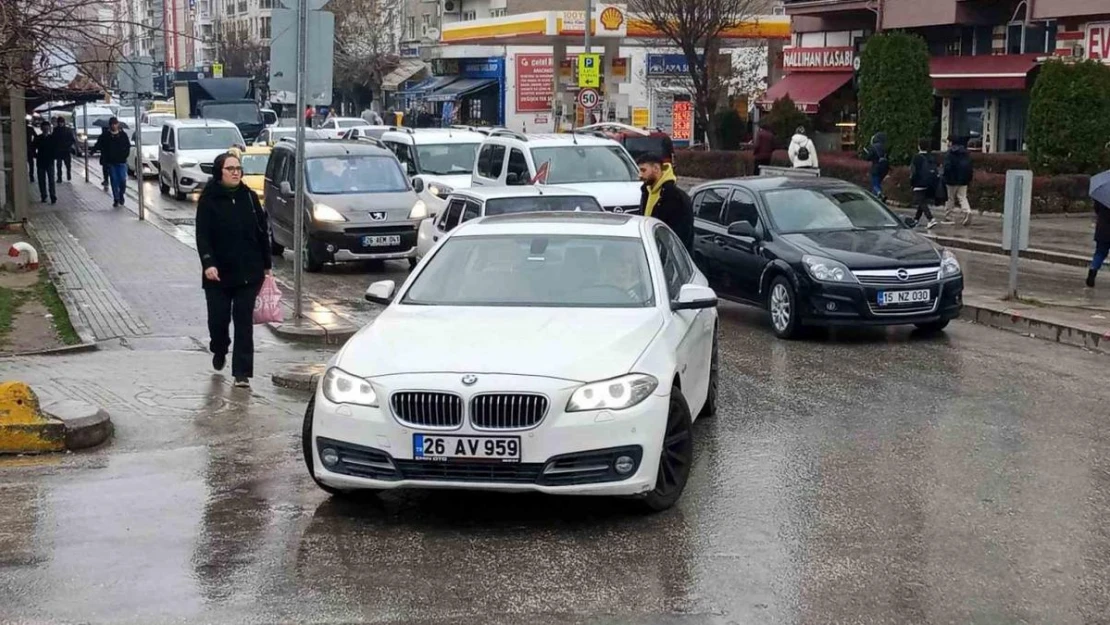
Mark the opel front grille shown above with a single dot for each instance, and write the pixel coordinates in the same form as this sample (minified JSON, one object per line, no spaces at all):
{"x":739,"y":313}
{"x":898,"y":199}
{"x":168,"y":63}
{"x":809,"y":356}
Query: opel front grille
{"x":897,"y":277}
{"x":507,"y":411}
{"x":427,"y":409}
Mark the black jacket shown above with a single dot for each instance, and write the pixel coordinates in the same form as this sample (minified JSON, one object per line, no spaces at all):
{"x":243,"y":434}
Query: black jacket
{"x":1102,"y":222}
{"x":45,"y":146}
{"x":233,"y":235}
{"x":877,"y":154}
{"x":114,"y":148}
{"x":66,"y":139}
{"x":957,"y":166}
{"x":923,"y":171}
{"x":674,"y":209}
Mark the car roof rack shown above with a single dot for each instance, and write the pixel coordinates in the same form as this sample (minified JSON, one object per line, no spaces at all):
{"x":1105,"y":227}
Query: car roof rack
{"x":614,"y":126}
{"x":377,"y":142}
{"x":401,"y":129}
{"x":505,"y":132}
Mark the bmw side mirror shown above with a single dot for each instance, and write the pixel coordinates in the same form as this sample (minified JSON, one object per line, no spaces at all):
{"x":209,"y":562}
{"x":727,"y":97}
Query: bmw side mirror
{"x":742,"y":229}
{"x":418,"y":185}
{"x":381,"y":292}
{"x":695,"y":297}
{"x":285,"y":188}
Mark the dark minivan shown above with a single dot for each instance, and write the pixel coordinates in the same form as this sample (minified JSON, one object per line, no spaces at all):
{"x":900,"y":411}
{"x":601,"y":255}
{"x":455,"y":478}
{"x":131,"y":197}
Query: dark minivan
{"x":821,"y":251}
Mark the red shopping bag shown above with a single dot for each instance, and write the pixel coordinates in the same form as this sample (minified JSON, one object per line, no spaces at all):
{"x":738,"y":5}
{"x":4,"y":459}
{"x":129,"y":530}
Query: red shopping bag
{"x":267,"y":306}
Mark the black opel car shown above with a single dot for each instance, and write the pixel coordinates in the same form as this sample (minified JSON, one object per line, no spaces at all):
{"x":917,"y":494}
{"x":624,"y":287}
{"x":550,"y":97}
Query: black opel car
{"x":821,"y":251}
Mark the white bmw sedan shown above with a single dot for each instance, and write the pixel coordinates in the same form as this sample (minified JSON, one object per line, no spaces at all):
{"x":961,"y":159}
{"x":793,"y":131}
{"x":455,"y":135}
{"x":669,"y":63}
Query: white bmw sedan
{"x":566,"y":353}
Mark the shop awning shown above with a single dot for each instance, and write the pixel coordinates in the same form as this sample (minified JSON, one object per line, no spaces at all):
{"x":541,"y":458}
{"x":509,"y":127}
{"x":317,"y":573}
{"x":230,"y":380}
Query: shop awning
{"x":986,"y":72}
{"x":459,"y":88}
{"x":406,"y":70}
{"x":806,"y":89}
{"x":431,"y":84}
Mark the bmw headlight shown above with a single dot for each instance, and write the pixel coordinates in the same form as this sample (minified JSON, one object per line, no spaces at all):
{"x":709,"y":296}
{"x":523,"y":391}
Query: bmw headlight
{"x":949,"y":264}
{"x":419,"y":210}
{"x":616,"y":394}
{"x":827,"y":269}
{"x":439,"y":190}
{"x":341,"y":387}
{"x":323,"y":212}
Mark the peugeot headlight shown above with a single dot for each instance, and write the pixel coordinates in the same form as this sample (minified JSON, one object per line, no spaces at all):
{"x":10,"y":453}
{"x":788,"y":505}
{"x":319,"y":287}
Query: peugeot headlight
{"x":827,"y":269}
{"x":419,"y":210}
{"x":341,"y":387}
{"x":323,"y":212}
{"x":439,"y":190}
{"x":616,"y":394}
{"x":949,"y":264}
{"x":187,"y":163}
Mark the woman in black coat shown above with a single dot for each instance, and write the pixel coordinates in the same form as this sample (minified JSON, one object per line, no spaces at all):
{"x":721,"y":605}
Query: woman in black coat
{"x":233,"y":235}
{"x":1102,"y":240}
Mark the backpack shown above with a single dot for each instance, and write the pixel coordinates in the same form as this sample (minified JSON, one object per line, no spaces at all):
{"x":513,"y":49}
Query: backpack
{"x":803,"y":153}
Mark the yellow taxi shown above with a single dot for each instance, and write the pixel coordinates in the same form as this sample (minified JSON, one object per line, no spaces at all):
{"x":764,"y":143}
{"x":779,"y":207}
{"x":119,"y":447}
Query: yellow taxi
{"x":254,"y":161}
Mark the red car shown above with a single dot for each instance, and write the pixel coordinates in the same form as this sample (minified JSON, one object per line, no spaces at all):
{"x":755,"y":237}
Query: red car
{"x":636,"y":140}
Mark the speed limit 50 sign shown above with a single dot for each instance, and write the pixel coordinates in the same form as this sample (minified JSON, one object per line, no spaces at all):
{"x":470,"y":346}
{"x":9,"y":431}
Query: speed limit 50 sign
{"x":588,"y":98}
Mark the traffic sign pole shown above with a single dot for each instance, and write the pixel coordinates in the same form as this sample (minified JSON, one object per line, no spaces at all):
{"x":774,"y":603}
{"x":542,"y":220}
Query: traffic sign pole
{"x":299,"y":241}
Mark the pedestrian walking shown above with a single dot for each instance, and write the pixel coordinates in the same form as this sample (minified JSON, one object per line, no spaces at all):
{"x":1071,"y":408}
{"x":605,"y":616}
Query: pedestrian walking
{"x":763,"y":147}
{"x":958,"y":172}
{"x":370,"y":116}
{"x":661,"y":198}
{"x":31,"y":134}
{"x":1102,"y":240}
{"x":803,"y":154}
{"x":878,"y":155}
{"x":923,"y":180}
{"x":114,"y":148}
{"x":66,"y":142}
{"x":309,"y":113}
{"x":233,"y":240}
{"x":46,"y":149}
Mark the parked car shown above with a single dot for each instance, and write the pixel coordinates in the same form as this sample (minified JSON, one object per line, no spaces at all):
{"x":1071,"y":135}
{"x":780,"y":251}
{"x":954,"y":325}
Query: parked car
{"x":365,"y":132}
{"x":148,"y":164}
{"x":335,"y":127}
{"x":254,"y":160}
{"x":464,"y":205}
{"x":88,"y":123}
{"x":359,"y":203}
{"x":156,"y":119}
{"x":270,"y":136}
{"x":563,"y":353}
{"x":439,"y":160}
{"x":187,"y":149}
{"x":594,"y":165}
{"x":821,"y":252}
{"x":638,"y":141}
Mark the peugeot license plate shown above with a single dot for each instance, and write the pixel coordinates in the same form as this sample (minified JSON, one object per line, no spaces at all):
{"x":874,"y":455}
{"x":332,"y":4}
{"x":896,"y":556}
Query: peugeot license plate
{"x":919,"y":296}
{"x":381,"y":240}
{"x":436,"y":447}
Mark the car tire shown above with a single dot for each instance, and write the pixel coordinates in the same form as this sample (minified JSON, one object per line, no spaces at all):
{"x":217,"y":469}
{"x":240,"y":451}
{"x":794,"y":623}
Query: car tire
{"x":312,"y":262}
{"x":177,"y":194}
{"x":676,"y":458}
{"x":782,"y":309}
{"x":163,"y":188}
{"x":276,"y":249}
{"x":933,"y":327}
{"x":710,"y":407}
{"x":306,"y":450}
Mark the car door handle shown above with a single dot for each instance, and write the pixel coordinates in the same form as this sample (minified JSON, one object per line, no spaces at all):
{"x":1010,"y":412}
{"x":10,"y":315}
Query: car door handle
{"x":720,"y":241}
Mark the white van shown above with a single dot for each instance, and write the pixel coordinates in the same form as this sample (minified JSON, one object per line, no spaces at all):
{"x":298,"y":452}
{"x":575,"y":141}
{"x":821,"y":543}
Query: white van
{"x":186,"y":152}
{"x":439,"y":160}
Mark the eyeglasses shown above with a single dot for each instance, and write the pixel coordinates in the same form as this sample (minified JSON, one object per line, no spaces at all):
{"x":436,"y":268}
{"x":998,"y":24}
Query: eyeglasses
{"x":233,"y":169}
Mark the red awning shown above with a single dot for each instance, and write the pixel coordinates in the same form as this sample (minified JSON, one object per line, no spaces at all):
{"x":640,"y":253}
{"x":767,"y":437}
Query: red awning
{"x":987,"y":72}
{"x":806,"y":89}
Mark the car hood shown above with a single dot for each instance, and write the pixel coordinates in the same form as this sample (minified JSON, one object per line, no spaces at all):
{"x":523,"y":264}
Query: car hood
{"x":869,"y":249}
{"x":571,"y":344}
{"x":150,"y":151}
{"x":200,"y":156}
{"x":356,"y":207}
{"x":610,"y":194}
{"x":455,"y":181}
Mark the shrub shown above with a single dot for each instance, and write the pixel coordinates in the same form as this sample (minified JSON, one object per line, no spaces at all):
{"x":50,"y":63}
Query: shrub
{"x":1069,"y":118}
{"x":784,"y":118}
{"x":895,"y":92}
{"x":730,"y":130}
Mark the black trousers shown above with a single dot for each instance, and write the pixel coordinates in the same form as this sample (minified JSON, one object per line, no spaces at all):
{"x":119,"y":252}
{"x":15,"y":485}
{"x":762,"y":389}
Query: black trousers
{"x":921,"y":200}
{"x":66,"y":158}
{"x":227,"y":305}
{"x":46,"y":179}
{"x":760,"y":163}
{"x":107,"y":175}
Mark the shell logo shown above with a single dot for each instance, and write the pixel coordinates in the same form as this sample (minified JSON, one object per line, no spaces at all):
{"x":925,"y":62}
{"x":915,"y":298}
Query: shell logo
{"x":611,"y":18}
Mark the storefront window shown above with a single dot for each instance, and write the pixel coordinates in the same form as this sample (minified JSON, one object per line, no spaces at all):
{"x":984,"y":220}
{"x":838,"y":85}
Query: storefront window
{"x":967,"y":119}
{"x":1011,"y":123}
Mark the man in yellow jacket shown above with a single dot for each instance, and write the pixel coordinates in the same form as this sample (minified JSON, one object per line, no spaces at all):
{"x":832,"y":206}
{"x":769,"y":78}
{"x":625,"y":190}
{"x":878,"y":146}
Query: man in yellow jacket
{"x":661,"y":198}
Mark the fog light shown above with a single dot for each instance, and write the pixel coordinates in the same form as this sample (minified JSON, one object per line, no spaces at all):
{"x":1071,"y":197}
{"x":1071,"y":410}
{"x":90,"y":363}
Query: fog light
{"x":624,"y":465}
{"x":330,"y":248}
{"x":830,"y":306}
{"x":329,"y":457}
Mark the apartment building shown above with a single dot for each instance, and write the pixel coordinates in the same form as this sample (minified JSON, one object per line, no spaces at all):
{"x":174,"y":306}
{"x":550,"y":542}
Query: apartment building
{"x":984,"y":56}
{"x":251,"y":20}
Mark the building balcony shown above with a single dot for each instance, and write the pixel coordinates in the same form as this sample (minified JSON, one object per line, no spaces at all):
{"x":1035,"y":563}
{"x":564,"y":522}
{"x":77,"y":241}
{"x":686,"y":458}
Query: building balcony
{"x":825,"y":7}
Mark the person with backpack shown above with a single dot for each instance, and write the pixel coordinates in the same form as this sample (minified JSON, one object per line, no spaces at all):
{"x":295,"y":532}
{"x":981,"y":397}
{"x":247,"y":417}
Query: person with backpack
{"x":958,"y":172}
{"x":923,"y":180}
{"x":802,"y":152}
{"x":879,"y":157}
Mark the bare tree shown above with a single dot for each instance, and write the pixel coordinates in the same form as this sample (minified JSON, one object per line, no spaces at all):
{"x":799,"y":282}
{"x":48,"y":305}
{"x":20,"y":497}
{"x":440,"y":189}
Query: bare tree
{"x":696,"y":28}
{"x":366,"y":44}
{"x":244,"y":56}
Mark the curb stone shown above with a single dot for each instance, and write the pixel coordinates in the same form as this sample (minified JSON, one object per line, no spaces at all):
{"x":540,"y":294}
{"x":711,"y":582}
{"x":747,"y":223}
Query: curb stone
{"x":1032,"y":323}
{"x":302,"y":377}
{"x":86,"y":425}
{"x":978,"y":245}
{"x":84,"y":332}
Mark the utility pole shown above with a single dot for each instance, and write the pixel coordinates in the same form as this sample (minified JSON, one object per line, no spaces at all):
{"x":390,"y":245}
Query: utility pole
{"x":299,"y":241}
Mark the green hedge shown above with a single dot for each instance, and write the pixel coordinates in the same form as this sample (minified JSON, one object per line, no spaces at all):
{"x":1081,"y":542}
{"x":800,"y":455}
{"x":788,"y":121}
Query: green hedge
{"x":1051,"y":194}
{"x":895,"y":92}
{"x":1069,"y":118}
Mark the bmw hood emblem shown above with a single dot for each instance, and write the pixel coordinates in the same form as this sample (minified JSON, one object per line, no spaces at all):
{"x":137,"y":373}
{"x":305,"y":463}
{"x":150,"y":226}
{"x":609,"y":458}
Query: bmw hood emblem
{"x":470,"y":379}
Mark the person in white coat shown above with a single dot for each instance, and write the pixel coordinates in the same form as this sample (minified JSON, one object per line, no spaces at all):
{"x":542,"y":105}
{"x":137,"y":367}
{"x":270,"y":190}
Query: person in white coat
{"x":802,"y":151}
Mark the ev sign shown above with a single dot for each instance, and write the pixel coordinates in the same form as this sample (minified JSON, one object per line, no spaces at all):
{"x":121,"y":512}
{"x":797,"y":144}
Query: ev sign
{"x":589,"y":70}
{"x":588,"y":98}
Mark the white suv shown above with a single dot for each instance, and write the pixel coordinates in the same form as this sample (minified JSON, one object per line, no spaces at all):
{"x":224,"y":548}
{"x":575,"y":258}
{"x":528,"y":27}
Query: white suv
{"x":186,"y":152}
{"x":593,"y":165}
{"x":440,"y":160}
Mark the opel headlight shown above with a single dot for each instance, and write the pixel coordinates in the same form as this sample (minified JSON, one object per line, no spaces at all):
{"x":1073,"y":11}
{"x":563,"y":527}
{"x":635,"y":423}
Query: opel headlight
{"x":187,"y":163}
{"x":616,"y":394}
{"x":439,"y":190}
{"x":341,"y":387}
{"x":949,"y":264}
{"x":419,"y":210}
{"x":323,"y":212}
{"x":827,"y":269}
